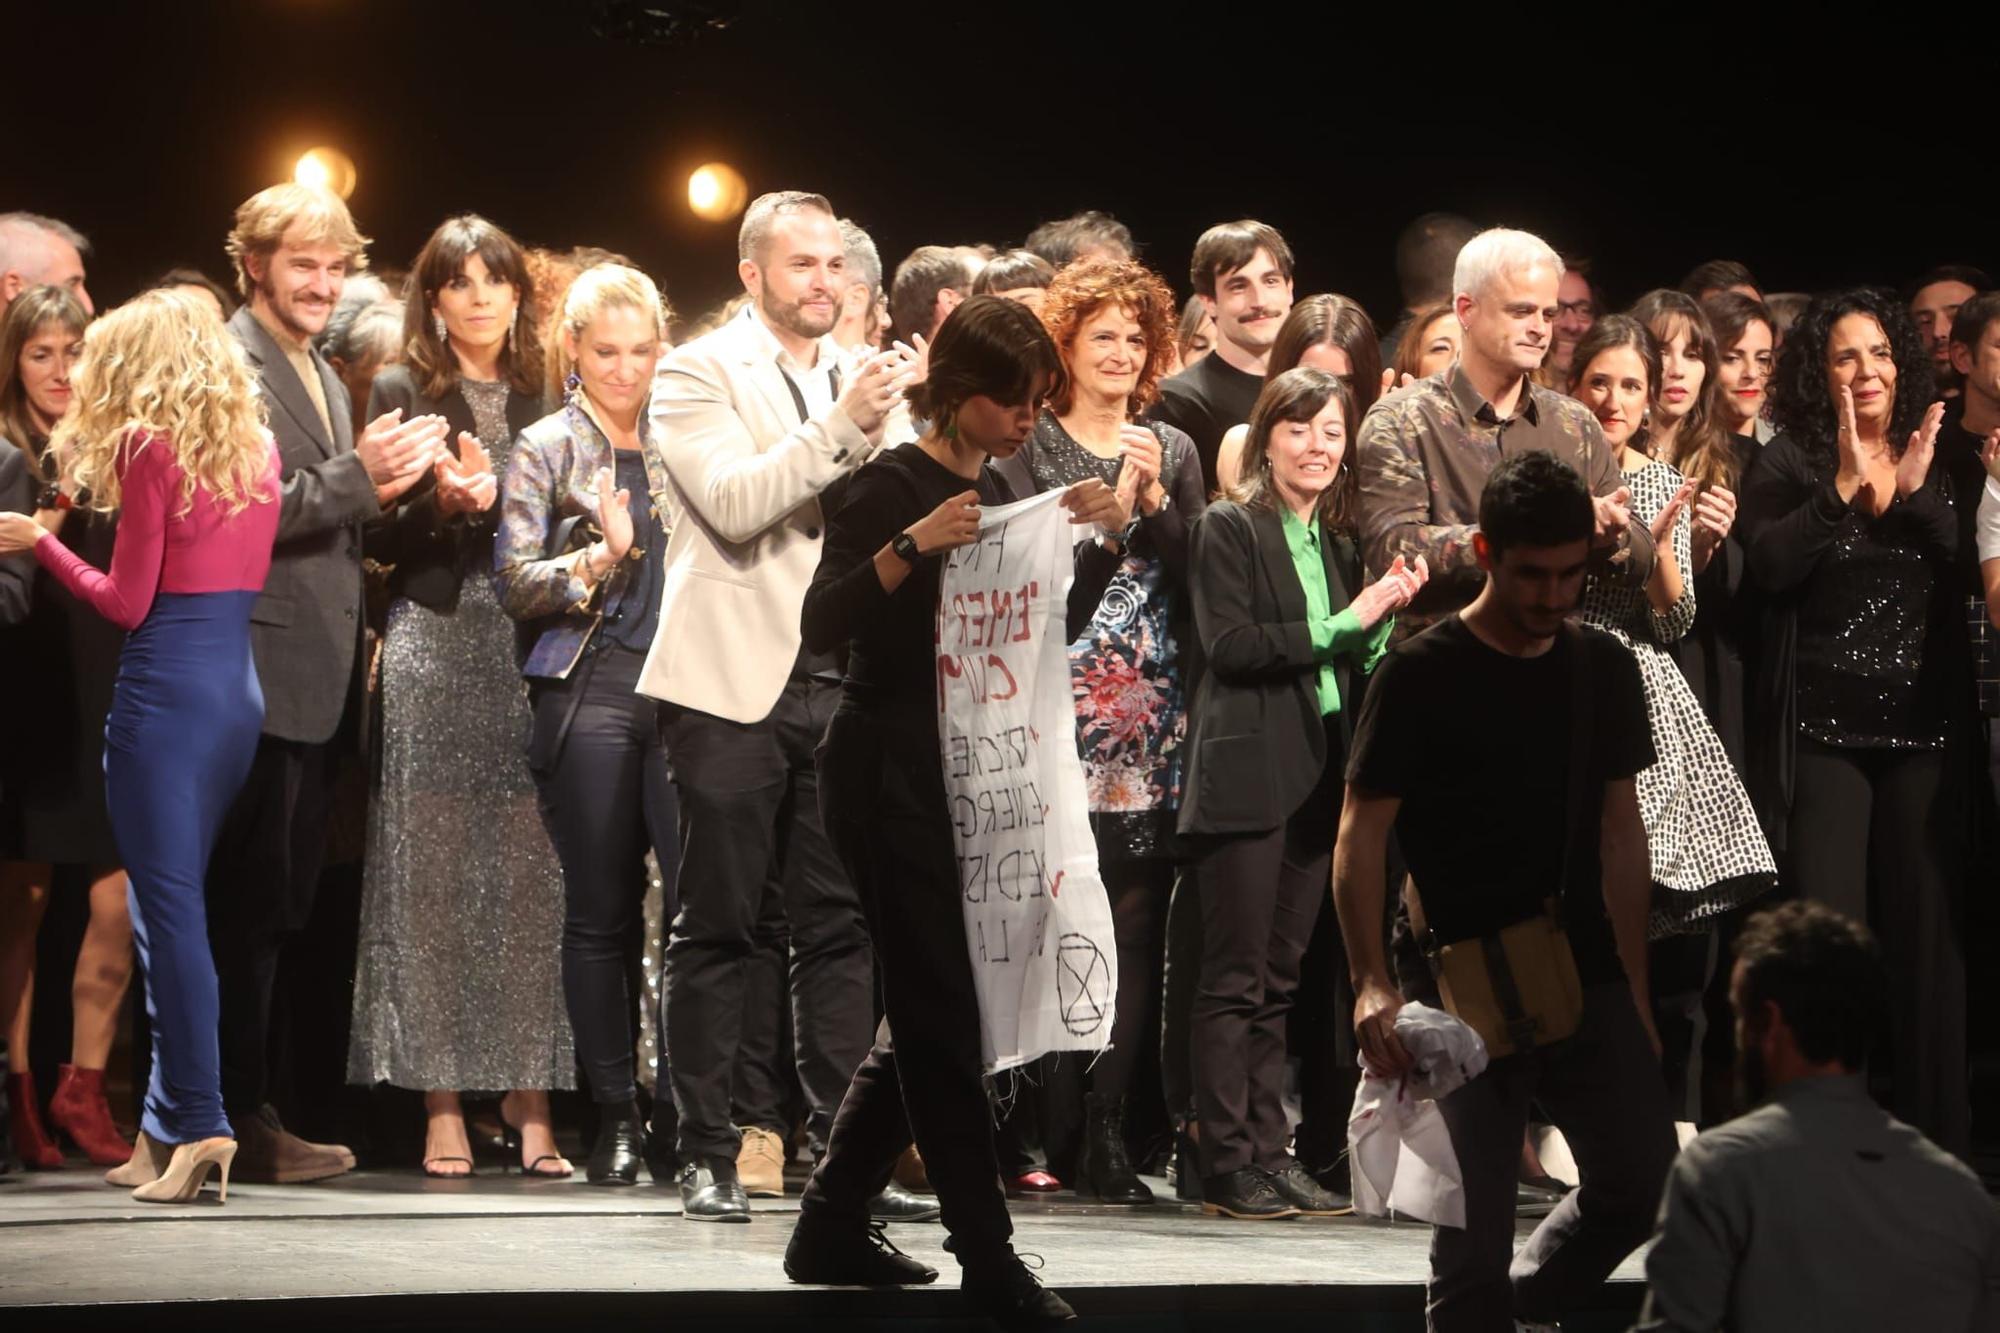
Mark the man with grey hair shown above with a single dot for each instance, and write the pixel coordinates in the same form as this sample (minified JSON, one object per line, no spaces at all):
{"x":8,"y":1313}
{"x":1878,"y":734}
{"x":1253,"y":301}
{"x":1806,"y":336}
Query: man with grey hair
{"x":756,"y":421}
{"x":1423,"y":452}
{"x":863,"y":306}
{"x":363,"y":334}
{"x":34,"y":251}
{"x":930,"y":283}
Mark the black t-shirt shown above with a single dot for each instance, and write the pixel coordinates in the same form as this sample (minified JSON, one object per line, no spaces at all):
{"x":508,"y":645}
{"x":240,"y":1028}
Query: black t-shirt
{"x":1205,"y":400}
{"x":1476,"y":743}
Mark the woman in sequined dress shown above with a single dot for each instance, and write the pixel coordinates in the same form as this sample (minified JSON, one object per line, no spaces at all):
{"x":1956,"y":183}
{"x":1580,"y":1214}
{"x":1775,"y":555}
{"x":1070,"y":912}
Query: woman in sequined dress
{"x":1863,"y":680}
{"x":1708,"y":852}
{"x":1113,"y":324}
{"x":457,"y":984}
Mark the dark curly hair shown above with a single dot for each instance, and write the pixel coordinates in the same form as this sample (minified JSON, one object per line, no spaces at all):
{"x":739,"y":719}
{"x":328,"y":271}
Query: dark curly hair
{"x":1801,"y":402}
{"x":1082,"y":289}
{"x":1824,"y":973}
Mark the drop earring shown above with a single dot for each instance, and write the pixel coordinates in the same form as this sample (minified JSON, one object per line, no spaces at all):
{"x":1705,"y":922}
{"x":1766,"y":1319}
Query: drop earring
{"x":437,"y":324}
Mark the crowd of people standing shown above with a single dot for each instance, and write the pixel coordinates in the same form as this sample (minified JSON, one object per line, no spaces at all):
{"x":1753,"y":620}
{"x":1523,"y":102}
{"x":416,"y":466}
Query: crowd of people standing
{"x":594,"y":608}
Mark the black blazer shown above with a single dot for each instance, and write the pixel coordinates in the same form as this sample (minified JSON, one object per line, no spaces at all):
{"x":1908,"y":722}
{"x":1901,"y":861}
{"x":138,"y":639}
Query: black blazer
{"x":432,"y":554}
{"x":1258,"y":744}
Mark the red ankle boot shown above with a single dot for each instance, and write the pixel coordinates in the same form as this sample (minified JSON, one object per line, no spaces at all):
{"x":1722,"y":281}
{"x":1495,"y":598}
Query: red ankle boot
{"x":79,"y":1110}
{"x":32,"y":1142}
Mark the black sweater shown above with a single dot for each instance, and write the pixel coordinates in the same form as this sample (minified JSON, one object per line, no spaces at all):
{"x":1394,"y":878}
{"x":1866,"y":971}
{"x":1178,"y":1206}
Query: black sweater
{"x":891,"y":638}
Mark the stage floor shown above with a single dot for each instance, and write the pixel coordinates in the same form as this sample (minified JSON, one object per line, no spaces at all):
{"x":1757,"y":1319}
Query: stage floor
{"x":395,"y":1249}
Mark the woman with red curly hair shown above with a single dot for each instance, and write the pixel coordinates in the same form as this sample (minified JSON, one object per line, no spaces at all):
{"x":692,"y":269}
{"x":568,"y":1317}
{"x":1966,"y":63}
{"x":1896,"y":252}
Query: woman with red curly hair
{"x":1114,"y":322}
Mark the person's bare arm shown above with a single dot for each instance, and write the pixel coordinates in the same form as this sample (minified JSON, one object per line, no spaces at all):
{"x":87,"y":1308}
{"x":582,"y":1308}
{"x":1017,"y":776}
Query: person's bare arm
{"x":1628,"y":888}
{"x":1359,"y":869}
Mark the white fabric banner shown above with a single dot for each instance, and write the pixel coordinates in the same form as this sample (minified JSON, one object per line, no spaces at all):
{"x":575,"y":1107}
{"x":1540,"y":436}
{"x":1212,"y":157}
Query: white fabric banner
{"x":1037,"y":920}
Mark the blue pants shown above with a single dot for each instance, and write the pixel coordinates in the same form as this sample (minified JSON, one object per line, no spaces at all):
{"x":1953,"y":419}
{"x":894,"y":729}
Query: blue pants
{"x":183,"y":726}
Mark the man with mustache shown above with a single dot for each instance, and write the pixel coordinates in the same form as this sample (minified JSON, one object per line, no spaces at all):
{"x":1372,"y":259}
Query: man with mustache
{"x":293,"y":247}
{"x":756,"y":422}
{"x":1424,"y":452}
{"x":1242,"y":271}
{"x":1817,"y":1209}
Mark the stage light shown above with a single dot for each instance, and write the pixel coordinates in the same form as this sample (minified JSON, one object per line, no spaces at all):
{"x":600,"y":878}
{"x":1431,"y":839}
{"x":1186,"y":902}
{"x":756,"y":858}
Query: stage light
{"x":717,"y":192}
{"x":326,"y":169}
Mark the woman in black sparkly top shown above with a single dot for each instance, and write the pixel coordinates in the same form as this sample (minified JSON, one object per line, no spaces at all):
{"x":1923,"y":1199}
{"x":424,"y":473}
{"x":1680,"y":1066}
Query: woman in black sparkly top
{"x":1850,"y":530}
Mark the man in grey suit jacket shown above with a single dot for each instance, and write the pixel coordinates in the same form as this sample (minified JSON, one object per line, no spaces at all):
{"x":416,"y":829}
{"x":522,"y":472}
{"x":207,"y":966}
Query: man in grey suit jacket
{"x":293,"y":247}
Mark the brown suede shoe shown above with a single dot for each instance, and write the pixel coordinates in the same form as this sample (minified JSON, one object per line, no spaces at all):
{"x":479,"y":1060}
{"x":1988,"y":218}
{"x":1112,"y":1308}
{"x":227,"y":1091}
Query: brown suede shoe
{"x":269,"y":1154}
{"x":760,"y":1164}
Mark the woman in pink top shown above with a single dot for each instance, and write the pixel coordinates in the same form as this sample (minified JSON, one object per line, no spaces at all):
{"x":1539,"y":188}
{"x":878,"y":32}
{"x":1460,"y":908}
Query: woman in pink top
{"x":168,"y":432}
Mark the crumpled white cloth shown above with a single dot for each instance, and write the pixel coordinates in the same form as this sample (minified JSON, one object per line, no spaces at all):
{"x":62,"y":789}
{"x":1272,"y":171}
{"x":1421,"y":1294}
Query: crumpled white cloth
{"x":1399,"y":1148}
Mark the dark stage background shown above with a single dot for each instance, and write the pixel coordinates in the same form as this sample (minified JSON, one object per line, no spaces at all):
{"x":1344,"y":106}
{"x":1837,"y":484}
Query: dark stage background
{"x":145,"y":124}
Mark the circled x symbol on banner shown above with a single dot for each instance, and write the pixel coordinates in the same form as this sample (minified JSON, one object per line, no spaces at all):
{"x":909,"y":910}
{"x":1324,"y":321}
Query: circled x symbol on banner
{"x":1083,"y":985}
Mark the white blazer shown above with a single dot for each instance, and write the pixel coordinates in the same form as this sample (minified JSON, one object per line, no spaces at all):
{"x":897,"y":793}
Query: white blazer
{"x":747,"y":540}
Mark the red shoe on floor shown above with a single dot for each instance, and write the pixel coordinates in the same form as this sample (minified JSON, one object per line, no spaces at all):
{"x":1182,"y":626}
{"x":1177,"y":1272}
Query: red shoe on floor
{"x":32,"y":1142}
{"x":79,"y":1110}
{"x":1032,"y":1182}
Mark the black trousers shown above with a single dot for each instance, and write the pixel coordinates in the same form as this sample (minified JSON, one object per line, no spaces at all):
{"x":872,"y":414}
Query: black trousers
{"x":750,"y":829}
{"x":883,"y":793}
{"x":261,"y":882}
{"x":606,"y":795}
{"x":1261,"y":896}
{"x":1602,"y":1088}
{"x":1875,"y":834}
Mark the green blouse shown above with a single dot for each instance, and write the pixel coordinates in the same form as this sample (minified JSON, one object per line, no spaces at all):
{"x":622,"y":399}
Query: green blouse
{"x":1333,"y":635}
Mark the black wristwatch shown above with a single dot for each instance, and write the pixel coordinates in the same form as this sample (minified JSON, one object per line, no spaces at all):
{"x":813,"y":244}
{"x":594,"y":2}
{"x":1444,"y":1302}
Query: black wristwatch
{"x":906,"y":546}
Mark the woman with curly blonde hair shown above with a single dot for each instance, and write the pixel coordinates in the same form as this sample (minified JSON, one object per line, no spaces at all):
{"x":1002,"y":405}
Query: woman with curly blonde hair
{"x":168,"y":431}
{"x":1114,"y":325}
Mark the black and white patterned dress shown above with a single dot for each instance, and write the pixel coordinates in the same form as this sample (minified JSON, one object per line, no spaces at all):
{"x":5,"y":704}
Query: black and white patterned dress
{"x":1708,"y":851}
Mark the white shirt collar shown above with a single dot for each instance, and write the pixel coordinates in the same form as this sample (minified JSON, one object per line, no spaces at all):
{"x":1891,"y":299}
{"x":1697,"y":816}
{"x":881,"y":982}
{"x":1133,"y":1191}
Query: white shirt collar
{"x":829,"y":350}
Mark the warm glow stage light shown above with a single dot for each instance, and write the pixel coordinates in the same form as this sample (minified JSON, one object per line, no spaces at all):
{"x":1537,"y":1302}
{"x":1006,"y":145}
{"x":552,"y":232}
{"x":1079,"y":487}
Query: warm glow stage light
{"x":326,"y":169}
{"x":717,"y":192}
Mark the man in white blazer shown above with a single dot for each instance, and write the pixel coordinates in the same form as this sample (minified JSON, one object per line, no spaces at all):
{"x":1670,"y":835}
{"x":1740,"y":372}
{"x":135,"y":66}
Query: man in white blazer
{"x":755,"y":422}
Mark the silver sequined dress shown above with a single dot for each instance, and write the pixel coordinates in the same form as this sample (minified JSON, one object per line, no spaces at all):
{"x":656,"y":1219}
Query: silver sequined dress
{"x":459,"y":982}
{"x":1708,"y":851}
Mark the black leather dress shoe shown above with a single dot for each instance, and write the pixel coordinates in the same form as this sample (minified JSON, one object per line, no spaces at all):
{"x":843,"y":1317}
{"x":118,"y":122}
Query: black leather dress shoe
{"x":1247,"y":1195}
{"x":1297,"y":1187}
{"x":620,"y":1148}
{"x":831,"y":1253}
{"x":896,"y":1204}
{"x":710,"y":1192}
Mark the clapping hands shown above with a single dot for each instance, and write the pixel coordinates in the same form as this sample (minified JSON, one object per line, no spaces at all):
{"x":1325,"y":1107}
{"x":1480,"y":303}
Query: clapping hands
{"x":1392,"y":592}
{"x":466,"y":484}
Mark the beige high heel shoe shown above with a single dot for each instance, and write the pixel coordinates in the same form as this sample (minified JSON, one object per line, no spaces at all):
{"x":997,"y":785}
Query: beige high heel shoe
{"x":149,"y":1159}
{"x":188,"y":1170}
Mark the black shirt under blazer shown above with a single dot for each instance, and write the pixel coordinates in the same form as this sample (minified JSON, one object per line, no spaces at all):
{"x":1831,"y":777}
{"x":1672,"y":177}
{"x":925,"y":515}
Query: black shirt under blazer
{"x":431,"y":553}
{"x":1259,"y":743}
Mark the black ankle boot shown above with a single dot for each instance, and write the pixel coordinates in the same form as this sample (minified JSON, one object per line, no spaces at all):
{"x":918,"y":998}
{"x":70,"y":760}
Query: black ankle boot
{"x":620,"y":1146}
{"x":1102,"y":1164}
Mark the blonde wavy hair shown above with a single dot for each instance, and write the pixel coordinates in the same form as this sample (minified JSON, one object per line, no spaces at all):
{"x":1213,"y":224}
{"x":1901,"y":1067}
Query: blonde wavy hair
{"x":598,"y":288}
{"x":161,"y":370}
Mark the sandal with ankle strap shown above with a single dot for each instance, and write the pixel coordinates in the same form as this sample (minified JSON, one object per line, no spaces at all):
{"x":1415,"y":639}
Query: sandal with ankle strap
{"x":534,"y":1168}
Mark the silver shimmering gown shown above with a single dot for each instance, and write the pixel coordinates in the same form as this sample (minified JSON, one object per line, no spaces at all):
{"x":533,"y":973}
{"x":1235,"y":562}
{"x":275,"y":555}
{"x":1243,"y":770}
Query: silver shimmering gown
{"x":459,"y":979}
